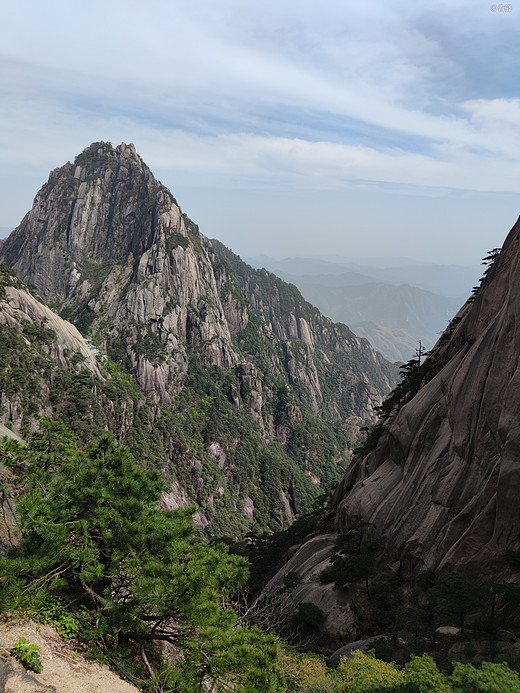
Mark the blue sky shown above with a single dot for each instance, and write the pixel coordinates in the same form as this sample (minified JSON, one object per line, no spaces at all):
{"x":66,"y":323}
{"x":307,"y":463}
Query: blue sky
{"x":286,"y":128}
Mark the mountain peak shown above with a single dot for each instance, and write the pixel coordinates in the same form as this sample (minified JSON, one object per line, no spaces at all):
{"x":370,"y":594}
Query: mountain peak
{"x":107,"y":244}
{"x":104,"y":208}
{"x":233,"y":354}
{"x":99,"y":153}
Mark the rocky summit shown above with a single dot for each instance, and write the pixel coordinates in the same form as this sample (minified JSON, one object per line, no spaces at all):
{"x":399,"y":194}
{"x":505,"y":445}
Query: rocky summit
{"x":244,"y":394}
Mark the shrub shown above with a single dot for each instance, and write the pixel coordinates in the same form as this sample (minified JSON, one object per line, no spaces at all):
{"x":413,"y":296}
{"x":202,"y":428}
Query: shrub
{"x":366,"y":673}
{"x":307,"y":618}
{"x":28,"y":654}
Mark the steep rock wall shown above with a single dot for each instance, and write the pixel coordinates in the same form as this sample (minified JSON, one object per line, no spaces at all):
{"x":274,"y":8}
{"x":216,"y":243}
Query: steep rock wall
{"x":443,"y":481}
{"x":108,"y":246}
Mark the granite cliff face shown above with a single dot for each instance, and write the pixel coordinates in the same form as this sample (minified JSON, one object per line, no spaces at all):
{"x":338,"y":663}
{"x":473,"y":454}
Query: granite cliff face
{"x":36,"y":344}
{"x":443,"y":480}
{"x":107,"y":246}
{"x":314,"y":351}
{"x":439,"y":487}
{"x":255,"y":381}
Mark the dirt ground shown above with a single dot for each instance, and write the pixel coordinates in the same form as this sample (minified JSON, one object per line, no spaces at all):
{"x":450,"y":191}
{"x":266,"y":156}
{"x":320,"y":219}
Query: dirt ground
{"x":64,"y":671}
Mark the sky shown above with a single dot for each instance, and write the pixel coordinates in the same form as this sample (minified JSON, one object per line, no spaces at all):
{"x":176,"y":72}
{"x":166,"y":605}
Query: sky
{"x":334,"y":129}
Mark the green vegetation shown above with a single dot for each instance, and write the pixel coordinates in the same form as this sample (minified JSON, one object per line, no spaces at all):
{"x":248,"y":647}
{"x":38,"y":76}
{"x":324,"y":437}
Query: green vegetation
{"x":28,"y":654}
{"x":95,"y":156}
{"x":414,"y":375}
{"x":24,"y":364}
{"x":94,"y":535}
{"x":100,"y":560}
{"x":276,"y":300}
{"x":51,"y":609}
{"x":202,"y":414}
{"x":354,"y":555}
{"x":184,"y":431}
{"x":176,"y":239}
{"x":151,"y":347}
{"x":364,"y":673}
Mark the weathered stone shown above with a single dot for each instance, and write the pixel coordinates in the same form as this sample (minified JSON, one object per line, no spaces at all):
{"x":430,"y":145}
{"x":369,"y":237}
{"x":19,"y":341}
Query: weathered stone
{"x":450,"y":631}
{"x":347,"y":650}
{"x":443,"y":481}
{"x":108,"y":246}
{"x":20,"y":306}
{"x":308,"y":561}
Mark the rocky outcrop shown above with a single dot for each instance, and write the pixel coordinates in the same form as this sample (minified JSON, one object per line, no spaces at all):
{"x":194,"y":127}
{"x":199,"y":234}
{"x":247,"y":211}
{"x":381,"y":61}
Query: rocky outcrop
{"x":443,"y":480}
{"x":106,"y":243}
{"x":307,"y":562}
{"x":35,"y":344}
{"x":246,"y":391}
{"x":440,"y":486}
{"x":316,"y":351}
{"x":20,"y":308}
{"x":108,"y":246}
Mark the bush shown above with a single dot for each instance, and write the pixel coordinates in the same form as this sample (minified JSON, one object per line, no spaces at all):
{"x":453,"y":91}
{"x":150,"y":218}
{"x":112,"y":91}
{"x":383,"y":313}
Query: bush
{"x":365,"y":673}
{"x":291,"y":580}
{"x":490,"y":678}
{"x":307,"y":674}
{"x":28,"y":654}
{"x":307,"y":618}
{"x":93,"y":532}
{"x":422,"y":676}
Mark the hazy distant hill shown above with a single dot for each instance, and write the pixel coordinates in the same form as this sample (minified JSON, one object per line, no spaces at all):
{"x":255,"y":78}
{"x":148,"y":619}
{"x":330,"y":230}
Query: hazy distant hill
{"x":392,"y":317}
{"x":380,"y":303}
{"x":394,"y":343}
{"x":445,"y":280}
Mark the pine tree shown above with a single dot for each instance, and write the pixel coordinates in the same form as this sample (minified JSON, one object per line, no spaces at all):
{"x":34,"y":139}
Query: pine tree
{"x":94,"y":532}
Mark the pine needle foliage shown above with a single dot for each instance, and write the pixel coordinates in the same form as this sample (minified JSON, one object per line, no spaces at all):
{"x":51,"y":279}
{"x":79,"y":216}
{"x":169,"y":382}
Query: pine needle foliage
{"x":93,"y":532}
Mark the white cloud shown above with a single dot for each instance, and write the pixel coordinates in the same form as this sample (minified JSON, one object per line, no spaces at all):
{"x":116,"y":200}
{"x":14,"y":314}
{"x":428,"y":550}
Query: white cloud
{"x":326,"y":165}
{"x":287,"y":95}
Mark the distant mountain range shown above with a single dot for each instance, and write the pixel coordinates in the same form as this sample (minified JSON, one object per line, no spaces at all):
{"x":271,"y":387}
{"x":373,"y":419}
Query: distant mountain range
{"x":393,"y":307}
{"x":453,"y":281}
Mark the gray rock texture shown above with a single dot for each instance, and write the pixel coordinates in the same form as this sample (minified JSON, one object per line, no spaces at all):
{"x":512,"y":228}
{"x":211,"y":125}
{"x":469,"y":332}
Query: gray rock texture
{"x":348,"y":650}
{"x":108,"y":246}
{"x":20,"y":307}
{"x":308,"y":561}
{"x":441,"y":486}
{"x":444,"y":479}
{"x":241,"y":383}
{"x":65,"y":349}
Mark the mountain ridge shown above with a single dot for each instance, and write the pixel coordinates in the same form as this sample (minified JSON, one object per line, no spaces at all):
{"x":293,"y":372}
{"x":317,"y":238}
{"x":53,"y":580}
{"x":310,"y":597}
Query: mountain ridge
{"x":394,"y":308}
{"x":209,"y":342}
